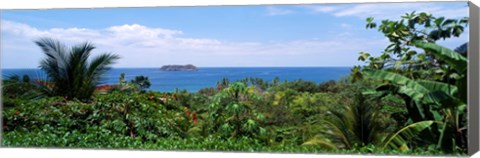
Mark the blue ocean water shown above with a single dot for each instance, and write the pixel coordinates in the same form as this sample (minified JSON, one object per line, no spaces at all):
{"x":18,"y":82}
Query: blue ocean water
{"x":168,"y":81}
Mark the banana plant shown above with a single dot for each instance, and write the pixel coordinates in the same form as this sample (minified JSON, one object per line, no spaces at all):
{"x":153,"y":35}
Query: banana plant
{"x":455,"y":116}
{"x":454,"y":59}
{"x":430,"y":100}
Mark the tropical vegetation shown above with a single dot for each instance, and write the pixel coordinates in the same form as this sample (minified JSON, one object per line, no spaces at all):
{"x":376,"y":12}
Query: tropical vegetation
{"x":409,"y":100}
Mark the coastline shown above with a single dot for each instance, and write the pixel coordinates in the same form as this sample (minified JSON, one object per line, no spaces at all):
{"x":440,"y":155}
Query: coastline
{"x":168,"y":81}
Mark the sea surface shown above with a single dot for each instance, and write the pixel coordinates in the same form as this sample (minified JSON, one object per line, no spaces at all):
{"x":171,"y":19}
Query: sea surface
{"x":169,"y":81}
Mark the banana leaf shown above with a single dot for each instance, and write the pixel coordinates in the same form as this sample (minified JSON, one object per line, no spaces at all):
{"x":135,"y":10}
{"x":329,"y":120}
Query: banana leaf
{"x":454,"y":59}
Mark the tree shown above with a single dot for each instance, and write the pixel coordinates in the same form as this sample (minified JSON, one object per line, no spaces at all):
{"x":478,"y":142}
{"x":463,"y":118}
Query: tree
{"x":142,"y":82}
{"x":231,"y":112}
{"x":399,"y":56}
{"x":122,"y":80}
{"x":69,"y":69}
{"x":26,"y":79}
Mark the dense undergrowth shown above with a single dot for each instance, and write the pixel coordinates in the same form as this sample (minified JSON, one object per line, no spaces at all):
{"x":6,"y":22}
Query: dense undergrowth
{"x":123,"y":119}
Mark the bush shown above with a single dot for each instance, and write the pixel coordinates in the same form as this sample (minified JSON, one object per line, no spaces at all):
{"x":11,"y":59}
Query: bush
{"x":121,"y":114}
{"x":14,"y":88}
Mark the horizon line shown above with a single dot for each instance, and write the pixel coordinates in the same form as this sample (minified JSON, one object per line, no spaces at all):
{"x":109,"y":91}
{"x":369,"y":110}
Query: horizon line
{"x":210,"y":67}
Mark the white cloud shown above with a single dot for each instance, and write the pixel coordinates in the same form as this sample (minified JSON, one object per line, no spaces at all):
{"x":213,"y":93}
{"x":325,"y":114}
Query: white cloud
{"x":272,"y":11}
{"x":142,"y":46}
{"x":135,"y":30}
{"x":19,"y":28}
{"x":391,"y":10}
{"x":346,"y":26}
{"x":321,"y":9}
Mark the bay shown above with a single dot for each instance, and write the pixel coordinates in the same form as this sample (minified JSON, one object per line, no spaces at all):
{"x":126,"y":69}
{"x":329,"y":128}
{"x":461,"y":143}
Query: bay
{"x":168,"y":81}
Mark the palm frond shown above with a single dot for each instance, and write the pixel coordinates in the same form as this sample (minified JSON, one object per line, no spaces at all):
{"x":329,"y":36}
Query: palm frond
{"x":400,"y":139}
{"x":99,"y":65}
{"x":318,"y":140}
{"x":69,"y":69}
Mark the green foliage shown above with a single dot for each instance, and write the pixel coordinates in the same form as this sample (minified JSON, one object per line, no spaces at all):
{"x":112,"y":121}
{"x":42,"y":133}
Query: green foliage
{"x":69,"y":70}
{"x":306,"y":86}
{"x":26,"y":79}
{"x":432,"y":84}
{"x":454,"y":59}
{"x":132,"y":115}
{"x":307,"y":106}
{"x":422,"y":26}
{"x":236,"y":118}
{"x":405,"y":34}
{"x":134,"y":86}
{"x":231,"y":112}
{"x":121,"y":79}
{"x":142,"y":82}
{"x":208,"y":91}
{"x":278,"y":109}
{"x":431,"y":100}
{"x":196,"y":102}
{"x":352,"y":124}
{"x":12,"y":88}
{"x":105,"y":140}
{"x":400,"y":139}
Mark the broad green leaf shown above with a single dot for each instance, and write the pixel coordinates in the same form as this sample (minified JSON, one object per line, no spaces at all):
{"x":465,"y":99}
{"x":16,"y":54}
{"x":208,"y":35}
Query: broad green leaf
{"x":439,"y":86}
{"x":454,"y":59}
{"x":412,"y":88}
{"x":441,"y":98}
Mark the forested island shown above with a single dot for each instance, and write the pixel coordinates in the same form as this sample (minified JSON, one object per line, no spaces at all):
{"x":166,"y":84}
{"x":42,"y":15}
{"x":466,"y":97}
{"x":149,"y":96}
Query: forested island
{"x":188,"y":67}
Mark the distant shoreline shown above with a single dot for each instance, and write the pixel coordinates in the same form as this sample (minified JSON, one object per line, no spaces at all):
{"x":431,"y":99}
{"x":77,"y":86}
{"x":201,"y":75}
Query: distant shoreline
{"x":167,"y":81}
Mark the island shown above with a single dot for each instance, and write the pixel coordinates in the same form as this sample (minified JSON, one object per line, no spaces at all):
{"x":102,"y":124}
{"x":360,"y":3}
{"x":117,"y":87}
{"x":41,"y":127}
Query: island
{"x":188,"y":67}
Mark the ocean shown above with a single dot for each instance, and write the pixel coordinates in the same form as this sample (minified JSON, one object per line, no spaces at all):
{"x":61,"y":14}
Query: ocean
{"x":192,"y":81}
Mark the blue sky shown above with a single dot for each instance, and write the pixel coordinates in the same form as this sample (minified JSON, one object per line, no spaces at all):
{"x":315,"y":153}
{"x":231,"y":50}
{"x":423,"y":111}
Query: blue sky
{"x":269,"y":35}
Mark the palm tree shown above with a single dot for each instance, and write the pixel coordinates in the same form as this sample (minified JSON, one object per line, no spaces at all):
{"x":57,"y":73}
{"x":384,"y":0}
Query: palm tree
{"x":69,"y":70}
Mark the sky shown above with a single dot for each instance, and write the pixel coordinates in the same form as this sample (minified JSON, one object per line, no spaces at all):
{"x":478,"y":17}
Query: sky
{"x":215,"y":36}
